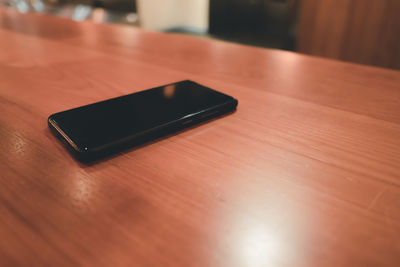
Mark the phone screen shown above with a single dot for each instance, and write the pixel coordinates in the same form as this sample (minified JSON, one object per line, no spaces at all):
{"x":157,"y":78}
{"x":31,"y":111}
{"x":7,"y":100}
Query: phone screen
{"x":102,"y":123}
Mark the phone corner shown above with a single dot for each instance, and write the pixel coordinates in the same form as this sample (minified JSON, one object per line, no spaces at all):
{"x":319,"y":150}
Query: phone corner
{"x":235,"y":102}
{"x":51,"y":119}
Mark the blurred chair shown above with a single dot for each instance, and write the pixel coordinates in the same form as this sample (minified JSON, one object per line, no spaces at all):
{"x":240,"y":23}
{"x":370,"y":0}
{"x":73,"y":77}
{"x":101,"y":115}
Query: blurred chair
{"x":361,"y":31}
{"x":174,"y":15}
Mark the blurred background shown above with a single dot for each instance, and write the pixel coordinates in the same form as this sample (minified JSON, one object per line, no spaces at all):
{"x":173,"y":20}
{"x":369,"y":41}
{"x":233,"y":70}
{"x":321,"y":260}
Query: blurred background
{"x":360,"y":31}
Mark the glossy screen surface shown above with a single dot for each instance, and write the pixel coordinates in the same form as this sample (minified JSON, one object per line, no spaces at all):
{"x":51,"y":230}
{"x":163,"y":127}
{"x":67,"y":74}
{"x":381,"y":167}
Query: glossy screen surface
{"x":105,"y":122}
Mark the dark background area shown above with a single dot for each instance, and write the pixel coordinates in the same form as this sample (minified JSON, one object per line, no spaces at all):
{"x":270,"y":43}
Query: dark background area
{"x":257,"y":22}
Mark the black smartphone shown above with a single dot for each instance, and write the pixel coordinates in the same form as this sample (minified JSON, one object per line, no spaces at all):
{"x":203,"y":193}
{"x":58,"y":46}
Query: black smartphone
{"x":103,"y":128}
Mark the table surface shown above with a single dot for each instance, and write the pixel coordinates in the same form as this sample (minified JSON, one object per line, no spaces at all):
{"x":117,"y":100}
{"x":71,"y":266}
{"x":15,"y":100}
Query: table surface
{"x":305,"y":173}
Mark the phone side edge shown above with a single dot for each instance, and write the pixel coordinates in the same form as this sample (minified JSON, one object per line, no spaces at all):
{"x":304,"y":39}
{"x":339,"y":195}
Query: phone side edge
{"x":52,"y":123}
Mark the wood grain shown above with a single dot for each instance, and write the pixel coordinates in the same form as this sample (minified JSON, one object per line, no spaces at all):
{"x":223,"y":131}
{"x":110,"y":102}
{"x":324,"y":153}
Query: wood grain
{"x":361,"y":31}
{"x":305,"y":173}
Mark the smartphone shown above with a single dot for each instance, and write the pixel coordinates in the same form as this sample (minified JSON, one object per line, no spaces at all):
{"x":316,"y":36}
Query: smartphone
{"x":97,"y":130}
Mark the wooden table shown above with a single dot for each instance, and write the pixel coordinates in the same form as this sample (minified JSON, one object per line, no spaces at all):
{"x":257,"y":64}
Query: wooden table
{"x":305,"y":173}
